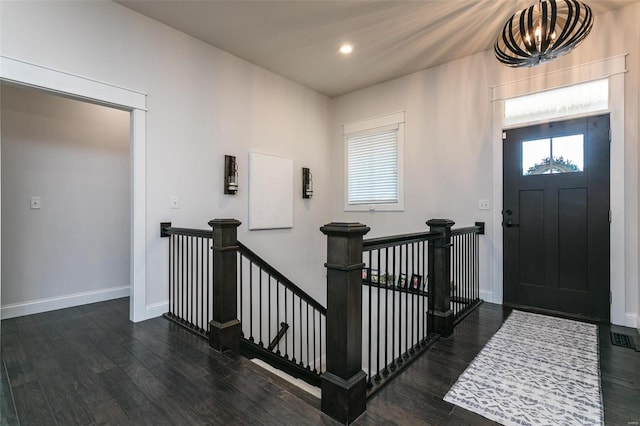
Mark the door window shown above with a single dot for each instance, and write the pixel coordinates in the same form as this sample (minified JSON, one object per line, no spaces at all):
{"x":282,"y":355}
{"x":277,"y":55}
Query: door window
{"x":563,"y":154}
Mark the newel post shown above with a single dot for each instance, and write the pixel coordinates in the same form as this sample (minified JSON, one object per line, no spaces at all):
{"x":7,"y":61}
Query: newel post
{"x":440,"y":276}
{"x":225,"y":328}
{"x":344,"y":383}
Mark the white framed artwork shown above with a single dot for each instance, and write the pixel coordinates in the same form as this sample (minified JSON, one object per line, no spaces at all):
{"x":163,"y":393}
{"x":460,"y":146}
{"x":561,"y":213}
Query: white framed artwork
{"x":270,"y":191}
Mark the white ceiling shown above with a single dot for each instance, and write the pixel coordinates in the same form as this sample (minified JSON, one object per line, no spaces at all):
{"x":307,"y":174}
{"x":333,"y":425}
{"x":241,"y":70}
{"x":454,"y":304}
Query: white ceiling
{"x":298,"y":39}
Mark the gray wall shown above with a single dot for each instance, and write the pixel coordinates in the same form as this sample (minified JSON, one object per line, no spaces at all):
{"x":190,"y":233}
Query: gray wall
{"x":75,"y":157}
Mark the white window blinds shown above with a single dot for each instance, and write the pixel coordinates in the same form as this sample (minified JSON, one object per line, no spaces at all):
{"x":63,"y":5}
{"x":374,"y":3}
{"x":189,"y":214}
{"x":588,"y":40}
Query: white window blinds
{"x":373,"y":170}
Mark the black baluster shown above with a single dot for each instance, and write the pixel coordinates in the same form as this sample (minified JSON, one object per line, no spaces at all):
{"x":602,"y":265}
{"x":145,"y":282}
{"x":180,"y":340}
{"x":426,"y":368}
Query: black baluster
{"x":460,"y":293}
{"x":209,"y":281}
{"x":300,"y":331}
{"x":420,"y":316}
{"x":467,"y":271}
{"x":269,"y":307}
{"x":172,"y":293}
{"x":184,"y":279}
{"x":370,"y":291}
{"x":241,"y":284}
{"x":399,"y":310}
{"x":286,"y":346}
{"x":313,"y":313}
{"x":406,"y":307}
{"x":393,"y":310}
{"x":385,"y":371}
{"x":199,"y":301}
{"x":476,"y":260}
{"x":413,"y":298}
{"x":300,"y":317}
{"x":251,"y":300}
{"x":319,"y":356}
{"x":260,"y":308}
{"x":377,"y":369}
{"x":308,"y":334}
{"x":191,"y":281}
{"x":293,"y":327}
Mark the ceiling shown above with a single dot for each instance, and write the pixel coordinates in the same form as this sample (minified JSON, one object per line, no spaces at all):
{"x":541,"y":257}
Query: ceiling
{"x":299,"y":39}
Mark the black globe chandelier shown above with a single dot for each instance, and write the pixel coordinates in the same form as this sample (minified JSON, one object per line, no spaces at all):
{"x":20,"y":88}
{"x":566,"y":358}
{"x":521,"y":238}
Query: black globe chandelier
{"x":543,"y":32}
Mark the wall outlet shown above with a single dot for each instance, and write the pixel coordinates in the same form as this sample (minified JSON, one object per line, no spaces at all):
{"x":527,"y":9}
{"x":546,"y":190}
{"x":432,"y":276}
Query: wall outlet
{"x":35,"y":202}
{"x":174,"y":202}
{"x":484,"y":205}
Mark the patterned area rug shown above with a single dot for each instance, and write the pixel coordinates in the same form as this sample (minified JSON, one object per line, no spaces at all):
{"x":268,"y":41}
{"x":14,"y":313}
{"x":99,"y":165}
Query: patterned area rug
{"x":536,"y":370}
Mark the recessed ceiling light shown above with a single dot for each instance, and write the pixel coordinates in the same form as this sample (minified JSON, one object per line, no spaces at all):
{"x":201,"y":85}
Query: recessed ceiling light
{"x":345,"y":49}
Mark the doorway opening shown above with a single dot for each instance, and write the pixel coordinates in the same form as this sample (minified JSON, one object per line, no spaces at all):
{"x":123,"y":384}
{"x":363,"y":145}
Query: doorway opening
{"x":623,"y":273}
{"x":556,"y":180}
{"x":65,"y":201}
{"x":90,"y":90}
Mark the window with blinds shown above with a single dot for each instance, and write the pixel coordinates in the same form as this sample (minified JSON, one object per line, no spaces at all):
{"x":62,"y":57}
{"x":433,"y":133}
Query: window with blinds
{"x":373,"y":164}
{"x":373,"y":168}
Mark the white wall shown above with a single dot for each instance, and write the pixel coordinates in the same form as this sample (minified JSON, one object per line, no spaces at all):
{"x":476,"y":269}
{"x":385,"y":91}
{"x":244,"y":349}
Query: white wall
{"x":447,"y":147}
{"x":75,"y":157}
{"x":202,"y":104}
{"x":448,"y":140}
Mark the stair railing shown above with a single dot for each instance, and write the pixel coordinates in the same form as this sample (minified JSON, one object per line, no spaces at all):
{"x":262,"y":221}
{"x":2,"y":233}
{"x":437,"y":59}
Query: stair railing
{"x":406,"y":290}
{"x":397,"y":291}
{"x":397,"y":320}
{"x":281,"y":323}
{"x":223,"y":291}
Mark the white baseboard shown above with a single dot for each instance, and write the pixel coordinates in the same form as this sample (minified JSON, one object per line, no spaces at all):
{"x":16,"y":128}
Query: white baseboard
{"x":486,"y":295}
{"x":61,"y":302}
{"x":632,"y":320}
{"x":157,"y":309}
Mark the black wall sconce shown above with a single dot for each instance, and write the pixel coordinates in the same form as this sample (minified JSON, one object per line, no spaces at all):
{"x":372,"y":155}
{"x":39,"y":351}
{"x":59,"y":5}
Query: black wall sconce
{"x":230,"y":174}
{"x":307,"y":183}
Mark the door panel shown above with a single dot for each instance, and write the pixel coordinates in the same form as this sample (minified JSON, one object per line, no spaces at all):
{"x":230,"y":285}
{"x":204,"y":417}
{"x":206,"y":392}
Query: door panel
{"x":532,"y":237}
{"x":556,"y":217}
{"x":572,"y":239}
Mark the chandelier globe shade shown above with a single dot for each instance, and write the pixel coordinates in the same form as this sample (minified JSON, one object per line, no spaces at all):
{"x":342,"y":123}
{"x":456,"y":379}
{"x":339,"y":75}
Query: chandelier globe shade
{"x":543,"y":32}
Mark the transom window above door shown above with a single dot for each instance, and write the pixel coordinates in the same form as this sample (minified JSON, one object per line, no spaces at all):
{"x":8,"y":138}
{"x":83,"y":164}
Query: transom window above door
{"x":563,"y":154}
{"x":577,"y":99}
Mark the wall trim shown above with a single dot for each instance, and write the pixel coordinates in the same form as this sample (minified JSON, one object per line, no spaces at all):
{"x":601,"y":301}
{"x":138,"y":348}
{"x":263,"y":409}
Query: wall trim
{"x":61,"y":302}
{"x":27,"y":74}
{"x":596,"y":70}
{"x":157,"y":309}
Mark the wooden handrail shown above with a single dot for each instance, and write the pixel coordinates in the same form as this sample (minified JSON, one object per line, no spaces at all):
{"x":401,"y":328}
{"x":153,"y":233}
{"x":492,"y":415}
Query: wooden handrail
{"x":166,"y":230}
{"x":263,"y":264}
{"x":382,"y":242}
{"x":468,"y":230}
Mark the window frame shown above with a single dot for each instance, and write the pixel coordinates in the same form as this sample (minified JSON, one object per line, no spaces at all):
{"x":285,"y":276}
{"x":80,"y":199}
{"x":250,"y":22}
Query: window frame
{"x":370,"y":126}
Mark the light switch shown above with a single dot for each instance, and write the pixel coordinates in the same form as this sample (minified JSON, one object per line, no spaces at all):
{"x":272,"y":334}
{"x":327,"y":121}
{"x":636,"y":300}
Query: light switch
{"x":484,"y":205}
{"x":35,"y":202}
{"x":175,"y":202}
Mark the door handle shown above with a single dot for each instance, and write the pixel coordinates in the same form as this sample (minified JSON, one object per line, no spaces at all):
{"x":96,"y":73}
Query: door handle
{"x":510,"y":224}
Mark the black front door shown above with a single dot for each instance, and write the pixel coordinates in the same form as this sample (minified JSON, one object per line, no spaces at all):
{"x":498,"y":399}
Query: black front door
{"x":556,"y":217}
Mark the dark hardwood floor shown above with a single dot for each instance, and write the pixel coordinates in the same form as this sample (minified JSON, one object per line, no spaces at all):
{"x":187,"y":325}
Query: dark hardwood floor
{"x":90,"y":365}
